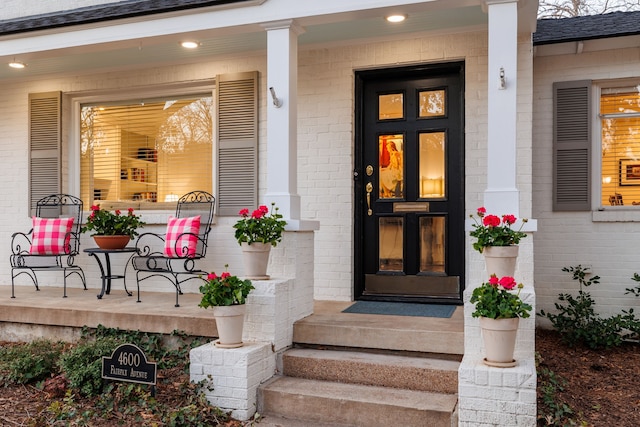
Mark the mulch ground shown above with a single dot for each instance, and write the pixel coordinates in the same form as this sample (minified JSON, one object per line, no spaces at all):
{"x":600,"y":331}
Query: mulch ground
{"x":602,"y":387}
{"x":26,"y":405}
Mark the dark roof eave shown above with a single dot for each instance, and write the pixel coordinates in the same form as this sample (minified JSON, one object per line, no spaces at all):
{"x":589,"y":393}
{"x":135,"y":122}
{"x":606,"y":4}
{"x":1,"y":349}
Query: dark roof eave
{"x":102,"y":13}
{"x":590,"y":27}
{"x":578,"y":39}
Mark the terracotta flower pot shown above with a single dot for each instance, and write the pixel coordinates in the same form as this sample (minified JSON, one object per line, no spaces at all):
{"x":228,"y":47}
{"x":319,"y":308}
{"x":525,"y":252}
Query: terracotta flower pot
{"x":112,"y":242}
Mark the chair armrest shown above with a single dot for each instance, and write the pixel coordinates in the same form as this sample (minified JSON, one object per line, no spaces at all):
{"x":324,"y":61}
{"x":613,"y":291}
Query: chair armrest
{"x":148,"y":244}
{"x":200,"y":249}
{"x":21,"y":243}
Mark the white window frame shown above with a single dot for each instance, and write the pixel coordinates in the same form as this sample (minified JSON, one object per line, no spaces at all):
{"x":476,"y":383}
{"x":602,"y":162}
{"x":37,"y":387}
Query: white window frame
{"x":76,"y":100}
{"x":600,"y":212}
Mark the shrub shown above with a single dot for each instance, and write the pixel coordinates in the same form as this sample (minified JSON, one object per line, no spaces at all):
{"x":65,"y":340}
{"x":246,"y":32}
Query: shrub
{"x":82,"y":365}
{"x":32,"y":362}
{"x":578,"y":323}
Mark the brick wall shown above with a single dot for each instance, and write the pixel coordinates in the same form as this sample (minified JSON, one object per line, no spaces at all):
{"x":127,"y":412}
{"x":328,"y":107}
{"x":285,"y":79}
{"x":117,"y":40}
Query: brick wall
{"x":604,"y":240}
{"x":14,"y":149}
{"x":325,"y":137}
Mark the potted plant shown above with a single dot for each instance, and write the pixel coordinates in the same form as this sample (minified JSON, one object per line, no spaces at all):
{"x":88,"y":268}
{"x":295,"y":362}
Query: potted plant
{"x":257,"y":233}
{"x":226,"y":295}
{"x":499,"y":310}
{"x":497,"y":241}
{"x":112,"y":230}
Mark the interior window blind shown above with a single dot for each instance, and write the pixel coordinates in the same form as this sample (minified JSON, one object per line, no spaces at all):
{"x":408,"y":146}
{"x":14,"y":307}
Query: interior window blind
{"x":620,"y":143}
{"x":145,"y":153}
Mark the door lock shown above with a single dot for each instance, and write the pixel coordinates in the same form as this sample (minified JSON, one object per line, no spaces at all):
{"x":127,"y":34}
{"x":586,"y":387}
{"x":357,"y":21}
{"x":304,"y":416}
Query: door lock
{"x":369,"y":189}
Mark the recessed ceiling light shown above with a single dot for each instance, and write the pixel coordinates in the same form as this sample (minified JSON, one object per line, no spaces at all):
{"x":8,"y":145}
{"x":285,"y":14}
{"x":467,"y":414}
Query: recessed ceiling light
{"x":396,"y":18}
{"x":189,"y":44}
{"x":17,"y":64}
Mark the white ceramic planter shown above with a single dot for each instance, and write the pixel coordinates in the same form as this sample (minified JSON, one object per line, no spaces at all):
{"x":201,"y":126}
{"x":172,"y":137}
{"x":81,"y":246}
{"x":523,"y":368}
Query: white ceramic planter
{"x":255,"y":258}
{"x":229,"y":323}
{"x":501,"y":260}
{"x":499,"y":337}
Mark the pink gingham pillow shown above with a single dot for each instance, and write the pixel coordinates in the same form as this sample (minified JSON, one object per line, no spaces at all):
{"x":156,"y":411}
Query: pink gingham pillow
{"x":182,"y":237}
{"x":51,"y":236}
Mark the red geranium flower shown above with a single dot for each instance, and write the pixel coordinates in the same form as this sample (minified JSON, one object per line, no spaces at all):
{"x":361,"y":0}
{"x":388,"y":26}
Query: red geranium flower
{"x":491,"y":221}
{"x":490,"y":230}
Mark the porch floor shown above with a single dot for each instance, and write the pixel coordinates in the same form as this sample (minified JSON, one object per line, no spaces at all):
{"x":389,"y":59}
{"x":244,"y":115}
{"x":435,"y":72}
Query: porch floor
{"x":60,"y":317}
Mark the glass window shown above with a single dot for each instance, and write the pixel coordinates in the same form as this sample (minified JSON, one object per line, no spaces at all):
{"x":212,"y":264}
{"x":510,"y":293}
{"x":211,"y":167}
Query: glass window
{"x":432,"y":164}
{"x":432,"y":103}
{"x":142,"y":153}
{"x":620,"y":145}
{"x":391,"y":152}
{"x":391,"y":252}
{"x":391,"y":106}
{"x":432,"y":244}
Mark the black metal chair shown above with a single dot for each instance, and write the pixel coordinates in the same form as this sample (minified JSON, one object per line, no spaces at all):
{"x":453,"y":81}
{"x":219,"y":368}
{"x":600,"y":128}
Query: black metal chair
{"x":37,"y":251}
{"x":176,"y":261}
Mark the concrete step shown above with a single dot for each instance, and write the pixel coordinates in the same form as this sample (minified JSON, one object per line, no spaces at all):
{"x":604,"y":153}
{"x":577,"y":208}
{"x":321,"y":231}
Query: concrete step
{"x":385,"y":370}
{"x":276,"y":421}
{"x":314,"y":401}
{"x":329,"y":326}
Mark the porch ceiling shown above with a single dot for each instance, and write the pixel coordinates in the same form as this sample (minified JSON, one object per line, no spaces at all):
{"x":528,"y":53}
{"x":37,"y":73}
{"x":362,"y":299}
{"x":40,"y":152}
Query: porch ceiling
{"x":237,"y":41}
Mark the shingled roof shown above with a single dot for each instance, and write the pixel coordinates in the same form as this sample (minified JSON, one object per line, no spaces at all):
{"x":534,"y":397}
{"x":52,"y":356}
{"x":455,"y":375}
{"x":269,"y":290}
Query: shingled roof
{"x":105,"y":12}
{"x":616,"y":24}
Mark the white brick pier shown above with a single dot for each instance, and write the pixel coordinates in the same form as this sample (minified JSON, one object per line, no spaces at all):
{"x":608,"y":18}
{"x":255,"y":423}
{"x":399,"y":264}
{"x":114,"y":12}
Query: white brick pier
{"x":498,"y":397}
{"x":234,"y":375}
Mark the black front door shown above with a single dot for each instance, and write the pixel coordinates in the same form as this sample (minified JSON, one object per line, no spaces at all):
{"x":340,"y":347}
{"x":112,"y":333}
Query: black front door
{"x":409,"y":185}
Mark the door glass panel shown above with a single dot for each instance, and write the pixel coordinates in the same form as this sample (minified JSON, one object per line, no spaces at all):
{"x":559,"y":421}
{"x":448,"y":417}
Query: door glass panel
{"x":432,"y":244}
{"x":391,"y":255}
{"x":432,"y":161}
{"x":390,"y":106}
{"x":391,"y":166}
{"x":431,"y":103}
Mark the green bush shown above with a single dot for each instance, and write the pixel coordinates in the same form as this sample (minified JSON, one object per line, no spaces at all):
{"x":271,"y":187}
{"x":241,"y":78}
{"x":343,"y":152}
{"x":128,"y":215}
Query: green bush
{"x":578,"y":323}
{"x":88,"y":398}
{"x":28,"y":363}
{"x":166,"y":351}
{"x":82,"y":365}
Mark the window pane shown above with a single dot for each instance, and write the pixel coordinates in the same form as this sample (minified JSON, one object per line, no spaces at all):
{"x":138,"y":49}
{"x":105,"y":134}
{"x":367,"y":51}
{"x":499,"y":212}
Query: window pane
{"x":390,"y":106}
{"x":432,"y":244}
{"x":432,"y":103}
{"x":391,"y":166}
{"x":432,"y":154}
{"x":141,"y":153}
{"x":391,"y":254}
{"x":620,"y":145}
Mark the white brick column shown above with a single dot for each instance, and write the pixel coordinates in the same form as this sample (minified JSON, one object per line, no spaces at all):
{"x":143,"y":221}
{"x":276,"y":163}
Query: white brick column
{"x":282,"y":117}
{"x":490,"y":396}
{"x":501,"y":195}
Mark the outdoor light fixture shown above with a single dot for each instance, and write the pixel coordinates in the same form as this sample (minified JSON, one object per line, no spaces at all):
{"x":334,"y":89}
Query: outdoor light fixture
{"x":17,"y":64}
{"x":276,"y":101}
{"x":502,"y":81}
{"x":396,"y":18}
{"x":189,"y":44}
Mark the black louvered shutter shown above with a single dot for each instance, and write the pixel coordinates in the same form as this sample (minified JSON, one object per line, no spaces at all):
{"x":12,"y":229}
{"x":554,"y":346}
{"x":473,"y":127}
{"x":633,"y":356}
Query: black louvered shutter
{"x":572,"y":146}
